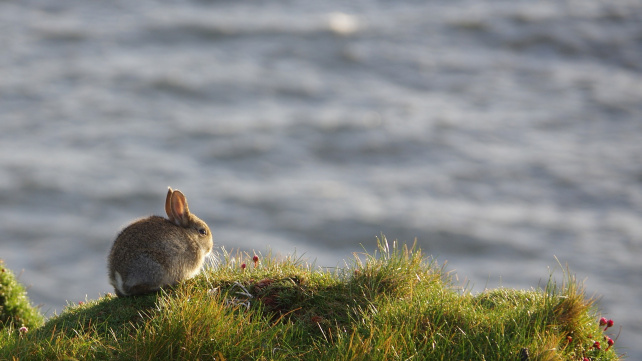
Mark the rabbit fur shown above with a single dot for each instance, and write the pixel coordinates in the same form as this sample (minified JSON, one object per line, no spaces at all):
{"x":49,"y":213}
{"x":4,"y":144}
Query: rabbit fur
{"x":153,"y":252}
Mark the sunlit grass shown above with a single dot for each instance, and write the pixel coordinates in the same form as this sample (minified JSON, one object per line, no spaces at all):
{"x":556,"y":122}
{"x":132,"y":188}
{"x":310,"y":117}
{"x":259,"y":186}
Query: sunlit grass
{"x":15,"y":309}
{"x":395,"y":304}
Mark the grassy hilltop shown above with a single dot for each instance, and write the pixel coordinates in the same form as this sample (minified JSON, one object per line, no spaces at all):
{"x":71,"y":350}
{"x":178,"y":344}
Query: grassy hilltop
{"x":393,"y":305}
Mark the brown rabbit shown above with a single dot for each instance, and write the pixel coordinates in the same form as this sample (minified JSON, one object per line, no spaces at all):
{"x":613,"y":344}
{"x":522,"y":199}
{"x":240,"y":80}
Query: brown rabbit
{"x":154,"y":252}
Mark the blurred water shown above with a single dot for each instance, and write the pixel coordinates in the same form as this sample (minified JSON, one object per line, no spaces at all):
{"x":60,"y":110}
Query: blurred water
{"x":500,"y":134}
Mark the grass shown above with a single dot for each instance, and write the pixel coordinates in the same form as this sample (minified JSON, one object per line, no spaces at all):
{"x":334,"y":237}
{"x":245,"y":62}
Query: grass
{"x":392,"y":305}
{"x":15,"y":309}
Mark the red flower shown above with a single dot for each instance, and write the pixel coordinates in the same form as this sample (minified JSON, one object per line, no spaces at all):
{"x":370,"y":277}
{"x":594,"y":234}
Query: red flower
{"x":569,"y":339}
{"x":597,"y":345}
{"x":610,"y":342}
{"x":255,"y":259}
{"x":243,"y":266}
{"x":602,"y":321}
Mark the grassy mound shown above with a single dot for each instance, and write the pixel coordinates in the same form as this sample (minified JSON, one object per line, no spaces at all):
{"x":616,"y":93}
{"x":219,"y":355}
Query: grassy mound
{"x":15,"y":310}
{"x":393,"y":305}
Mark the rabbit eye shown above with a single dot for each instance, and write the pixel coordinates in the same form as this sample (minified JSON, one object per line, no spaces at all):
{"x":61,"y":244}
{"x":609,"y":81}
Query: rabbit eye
{"x":202,"y":231}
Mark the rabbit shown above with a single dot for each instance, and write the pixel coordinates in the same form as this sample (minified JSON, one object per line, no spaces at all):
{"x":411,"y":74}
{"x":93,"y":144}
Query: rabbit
{"x":154,"y":252}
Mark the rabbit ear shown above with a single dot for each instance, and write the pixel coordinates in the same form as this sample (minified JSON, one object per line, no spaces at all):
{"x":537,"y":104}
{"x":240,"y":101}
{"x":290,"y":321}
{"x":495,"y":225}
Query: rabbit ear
{"x":179,"y":209}
{"x":168,"y":202}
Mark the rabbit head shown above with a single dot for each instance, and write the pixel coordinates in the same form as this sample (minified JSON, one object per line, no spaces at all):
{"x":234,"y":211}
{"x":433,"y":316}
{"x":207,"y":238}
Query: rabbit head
{"x":179,"y":214}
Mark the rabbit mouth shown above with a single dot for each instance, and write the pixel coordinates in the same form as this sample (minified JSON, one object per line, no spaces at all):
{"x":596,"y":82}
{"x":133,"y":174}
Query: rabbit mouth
{"x":208,"y":253}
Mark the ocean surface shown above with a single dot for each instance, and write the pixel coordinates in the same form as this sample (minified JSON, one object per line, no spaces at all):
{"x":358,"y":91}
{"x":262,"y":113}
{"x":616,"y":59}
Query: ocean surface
{"x":504,"y":136}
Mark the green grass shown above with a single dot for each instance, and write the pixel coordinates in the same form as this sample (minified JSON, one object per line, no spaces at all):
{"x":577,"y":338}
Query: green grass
{"x":395,"y":304}
{"x":15,"y":309}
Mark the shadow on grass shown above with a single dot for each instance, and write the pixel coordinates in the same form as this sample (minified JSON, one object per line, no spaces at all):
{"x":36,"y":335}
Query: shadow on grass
{"x":118,"y":314}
